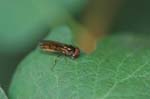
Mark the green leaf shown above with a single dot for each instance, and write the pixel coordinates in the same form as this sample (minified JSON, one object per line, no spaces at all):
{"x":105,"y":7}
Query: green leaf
{"x":2,"y":94}
{"x":118,"y":69}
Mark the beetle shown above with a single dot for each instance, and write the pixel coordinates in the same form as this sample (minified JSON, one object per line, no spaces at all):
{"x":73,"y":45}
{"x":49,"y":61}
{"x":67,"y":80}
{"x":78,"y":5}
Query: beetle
{"x":57,"y":47}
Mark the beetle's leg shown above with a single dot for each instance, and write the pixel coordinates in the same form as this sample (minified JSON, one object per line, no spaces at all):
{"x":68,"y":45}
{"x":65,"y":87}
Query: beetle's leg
{"x":55,"y":62}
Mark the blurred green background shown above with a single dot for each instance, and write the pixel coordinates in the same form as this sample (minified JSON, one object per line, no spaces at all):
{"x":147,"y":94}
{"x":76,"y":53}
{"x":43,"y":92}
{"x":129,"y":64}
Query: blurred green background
{"x":134,"y":17}
{"x":23,"y":23}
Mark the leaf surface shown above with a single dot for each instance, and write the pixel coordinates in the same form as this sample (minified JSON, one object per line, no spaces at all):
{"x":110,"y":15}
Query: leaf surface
{"x":118,"y":69}
{"x":2,"y":94}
